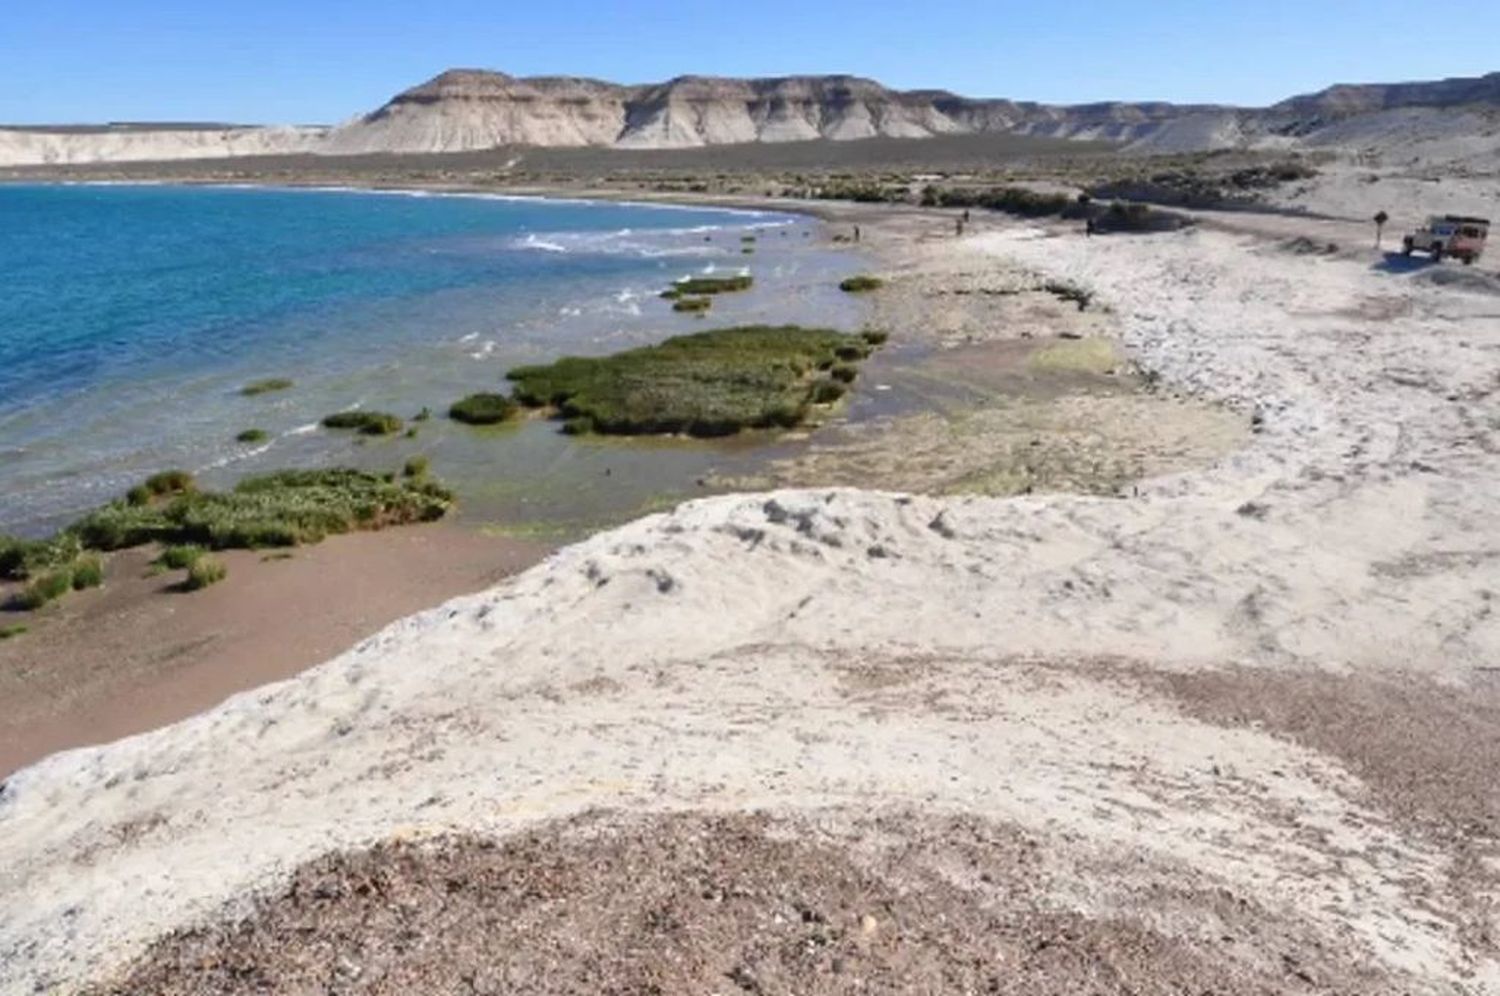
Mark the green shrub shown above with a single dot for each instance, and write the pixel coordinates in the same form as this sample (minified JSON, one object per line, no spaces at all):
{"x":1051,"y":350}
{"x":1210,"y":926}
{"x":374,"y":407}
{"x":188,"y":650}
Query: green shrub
{"x":11,"y":632}
{"x":46,"y":587}
{"x":483,"y":409}
{"x":280,"y":509}
{"x":88,"y":572}
{"x":699,"y":286}
{"x":265,"y":386}
{"x":365,"y":423}
{"x":1065,"y":290}
{"x":170,"y":482}
{"x":827,"y":391}
{"x":875,"y":337}
{"x":180,"y":556}
{"x":204,"y":572}
{"x":693,"y":305}
{"x":21,"y":559}
{"x":706,"y":384}
{"x":252,"y":436}
{"x":843,"y":372}
{"x":860,"y":284}
{"x":415,"y":467}
{"x":423,"y":415}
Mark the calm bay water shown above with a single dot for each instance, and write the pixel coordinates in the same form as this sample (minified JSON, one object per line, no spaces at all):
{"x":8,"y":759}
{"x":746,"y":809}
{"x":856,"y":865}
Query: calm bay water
{"x":130,"y":316}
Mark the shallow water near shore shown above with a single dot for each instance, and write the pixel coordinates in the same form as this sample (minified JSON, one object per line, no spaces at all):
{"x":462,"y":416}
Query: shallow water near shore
{"x":133,"y":315}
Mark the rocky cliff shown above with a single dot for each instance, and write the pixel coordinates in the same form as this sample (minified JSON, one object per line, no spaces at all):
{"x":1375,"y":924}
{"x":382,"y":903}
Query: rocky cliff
{"x":468,"y":109}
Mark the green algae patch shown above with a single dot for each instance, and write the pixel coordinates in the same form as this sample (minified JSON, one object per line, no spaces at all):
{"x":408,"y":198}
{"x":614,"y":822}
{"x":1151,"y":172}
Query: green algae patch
{"x":860,"y":284}
{"x":699,"y":286}
{"x":714,"y":383}
{"x":252,"y":436}
{"x":483,"y":409}
{"x":693,"y":305}
{"x":1091,"y":356}
{"x":365,"y":423}
{"x":267,"y":386}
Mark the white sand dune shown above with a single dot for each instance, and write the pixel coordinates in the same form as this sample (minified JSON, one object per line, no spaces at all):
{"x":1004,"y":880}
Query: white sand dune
{"x":812,"y":649}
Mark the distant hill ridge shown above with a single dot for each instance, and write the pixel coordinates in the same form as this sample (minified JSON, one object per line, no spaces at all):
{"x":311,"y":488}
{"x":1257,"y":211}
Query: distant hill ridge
{"x":468,"y":109}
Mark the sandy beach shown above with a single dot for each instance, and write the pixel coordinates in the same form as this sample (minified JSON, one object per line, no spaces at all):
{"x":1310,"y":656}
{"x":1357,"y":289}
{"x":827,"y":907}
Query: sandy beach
{"x":1225,"y":724}
{"x":138,"y":654}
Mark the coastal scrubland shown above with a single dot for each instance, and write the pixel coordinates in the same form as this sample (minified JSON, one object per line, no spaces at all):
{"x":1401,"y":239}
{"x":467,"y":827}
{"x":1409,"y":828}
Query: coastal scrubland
{"x":285,"y":508}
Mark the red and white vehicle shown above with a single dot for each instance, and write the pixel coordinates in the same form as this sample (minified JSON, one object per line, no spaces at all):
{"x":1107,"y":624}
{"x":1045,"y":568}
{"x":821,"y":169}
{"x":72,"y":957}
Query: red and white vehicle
{"x":1449,"y":235}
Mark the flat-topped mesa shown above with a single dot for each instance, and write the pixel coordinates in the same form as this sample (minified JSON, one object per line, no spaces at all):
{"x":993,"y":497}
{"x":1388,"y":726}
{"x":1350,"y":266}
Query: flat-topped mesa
{"x":1346,"y":99}
{"x":465,"y":110}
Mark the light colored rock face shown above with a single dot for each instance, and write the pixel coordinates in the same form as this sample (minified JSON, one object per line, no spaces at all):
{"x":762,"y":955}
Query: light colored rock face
{"x":469,"y":109}
{"x":26,"y":147}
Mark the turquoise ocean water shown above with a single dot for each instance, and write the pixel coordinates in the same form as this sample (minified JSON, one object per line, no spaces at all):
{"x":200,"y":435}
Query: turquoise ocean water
{"x":130,"y":316}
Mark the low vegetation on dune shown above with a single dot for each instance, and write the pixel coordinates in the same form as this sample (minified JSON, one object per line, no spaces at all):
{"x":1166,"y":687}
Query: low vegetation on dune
{"x":252,"y":436}
{"x":712,"y":383}
{"x":1012,"y":200}
{"x":365,"y":423}
{"x":860,"y":283}
{"x":483,"y":409}
{"x":12,"y":631}
{"x":266,"y":386}
{"x":699,"y":286}
{"x":859,"y":191}
{"x":285,"y":508}
{"x":1114,"y":216}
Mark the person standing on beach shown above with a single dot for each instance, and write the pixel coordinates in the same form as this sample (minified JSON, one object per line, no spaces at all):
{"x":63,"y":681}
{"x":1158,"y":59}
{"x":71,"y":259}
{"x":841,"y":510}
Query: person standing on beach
{"x":856,"y":233}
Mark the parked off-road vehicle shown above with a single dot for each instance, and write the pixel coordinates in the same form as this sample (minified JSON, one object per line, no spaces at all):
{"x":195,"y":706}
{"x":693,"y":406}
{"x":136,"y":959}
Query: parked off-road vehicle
{"x":1449,"y":235}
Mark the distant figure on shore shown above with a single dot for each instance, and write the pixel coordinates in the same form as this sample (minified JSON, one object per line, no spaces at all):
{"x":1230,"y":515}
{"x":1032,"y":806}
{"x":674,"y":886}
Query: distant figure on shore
{"x":966,"y":216}
{"x":960,"y":226}
{"x":1088,"y":227}
{"x":856,"y":233}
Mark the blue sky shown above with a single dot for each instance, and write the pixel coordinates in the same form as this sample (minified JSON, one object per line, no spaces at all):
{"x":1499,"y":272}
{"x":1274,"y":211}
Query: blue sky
{"x":324,"y":60}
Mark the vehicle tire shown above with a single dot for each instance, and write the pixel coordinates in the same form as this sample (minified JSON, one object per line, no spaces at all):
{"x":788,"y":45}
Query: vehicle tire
{"x":1437,"y":252}
{"x":1469,"y":259}
{"x":1406,"y":247}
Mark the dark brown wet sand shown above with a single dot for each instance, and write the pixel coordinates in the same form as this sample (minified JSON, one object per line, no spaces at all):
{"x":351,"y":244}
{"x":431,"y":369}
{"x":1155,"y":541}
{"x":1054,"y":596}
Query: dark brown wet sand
{"x":138,"y":654}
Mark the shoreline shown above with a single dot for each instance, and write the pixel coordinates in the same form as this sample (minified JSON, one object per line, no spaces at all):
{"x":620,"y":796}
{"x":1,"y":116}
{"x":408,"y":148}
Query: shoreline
{"x":136,"y":654}
{"x":173,"y":655}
